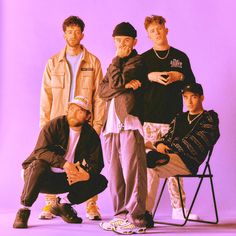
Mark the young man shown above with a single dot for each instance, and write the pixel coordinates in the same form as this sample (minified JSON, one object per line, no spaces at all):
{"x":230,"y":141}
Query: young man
{"x":73,"y":71}
{"x":67,"y":158}
{"x":123,"y":136}
{"x":168,"y":70}
{"x":185,"y":146}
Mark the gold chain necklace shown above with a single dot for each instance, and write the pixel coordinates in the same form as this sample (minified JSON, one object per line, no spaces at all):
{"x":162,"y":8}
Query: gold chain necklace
{"x":162,"y":58}
{"x":191,"y":121}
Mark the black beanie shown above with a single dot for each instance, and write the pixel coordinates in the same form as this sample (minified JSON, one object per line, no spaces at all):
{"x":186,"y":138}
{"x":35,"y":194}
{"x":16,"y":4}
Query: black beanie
{"x":124,"y":29}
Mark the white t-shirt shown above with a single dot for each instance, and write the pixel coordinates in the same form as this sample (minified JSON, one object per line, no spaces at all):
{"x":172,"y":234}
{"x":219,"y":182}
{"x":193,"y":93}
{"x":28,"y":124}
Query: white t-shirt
{"x":113,"y":124}
{"x":70,"y":155}
{"x":74,"y":63}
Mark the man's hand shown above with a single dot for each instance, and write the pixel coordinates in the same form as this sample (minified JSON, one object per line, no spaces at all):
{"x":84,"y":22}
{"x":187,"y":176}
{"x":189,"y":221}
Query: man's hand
{"x":162,"y":148}
{"x":123,"y":51}
{"x":174,"y":76}
{"x":133,"y":84}
{"x":158,"y":77}
{"x":149,"y":145}
{"x":165,"y":78}
{"x":69,"y":167}
{"x":75,"y":173}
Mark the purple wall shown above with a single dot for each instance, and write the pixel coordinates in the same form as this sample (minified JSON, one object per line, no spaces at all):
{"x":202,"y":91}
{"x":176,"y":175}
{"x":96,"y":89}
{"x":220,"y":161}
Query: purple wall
{"x":31,"y":33}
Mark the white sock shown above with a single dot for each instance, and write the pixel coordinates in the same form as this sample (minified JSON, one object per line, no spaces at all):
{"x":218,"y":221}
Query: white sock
{"x":25,"y":207}
{"x":65,"y":200}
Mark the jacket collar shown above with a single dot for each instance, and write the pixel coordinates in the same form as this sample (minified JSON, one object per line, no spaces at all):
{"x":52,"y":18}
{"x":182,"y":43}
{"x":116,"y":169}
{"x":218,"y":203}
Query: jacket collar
{"x":131,"y":55}
{"x":62,"y":54}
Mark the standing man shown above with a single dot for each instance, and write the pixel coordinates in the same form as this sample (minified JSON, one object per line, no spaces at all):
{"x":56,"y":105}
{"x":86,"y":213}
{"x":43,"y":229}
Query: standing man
{"x":73,"y":71}
{"x":67,"y":158}
{"x":168,"y":70}
{"x":124,"y":147}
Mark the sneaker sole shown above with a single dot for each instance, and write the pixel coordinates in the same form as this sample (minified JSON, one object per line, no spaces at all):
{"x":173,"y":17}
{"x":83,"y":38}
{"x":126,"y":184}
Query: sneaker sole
{"x":46,"y":218}
{"x":141,"y":231}
{"x":107,"y":229}
{"x":20,"y":226}
{"x":93,"y":217}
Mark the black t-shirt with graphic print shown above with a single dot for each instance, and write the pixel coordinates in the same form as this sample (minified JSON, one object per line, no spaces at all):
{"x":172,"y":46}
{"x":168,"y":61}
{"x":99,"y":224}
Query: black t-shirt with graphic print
{"x":162,"y":102}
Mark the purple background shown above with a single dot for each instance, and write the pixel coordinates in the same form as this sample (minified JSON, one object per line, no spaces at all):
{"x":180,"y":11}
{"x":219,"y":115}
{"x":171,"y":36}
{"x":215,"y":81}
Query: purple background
{"x":31,"y":33}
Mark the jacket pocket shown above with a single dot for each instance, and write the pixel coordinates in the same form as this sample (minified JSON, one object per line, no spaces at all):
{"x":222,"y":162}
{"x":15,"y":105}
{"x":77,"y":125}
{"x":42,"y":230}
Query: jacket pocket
{"x":58,"y":80}
{"x":87,"y":82}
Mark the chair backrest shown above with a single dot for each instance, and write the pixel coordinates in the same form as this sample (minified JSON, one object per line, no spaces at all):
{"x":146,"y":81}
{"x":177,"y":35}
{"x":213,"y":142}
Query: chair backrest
{"x":209,"y":155}
{"x":207,"y":165}
{"x":205,"y":168}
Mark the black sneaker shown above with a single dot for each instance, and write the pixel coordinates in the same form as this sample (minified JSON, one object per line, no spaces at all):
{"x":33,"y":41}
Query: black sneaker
{"x":149,"y":219}
{"x":22,"y":217}
{"x":66,"y":212}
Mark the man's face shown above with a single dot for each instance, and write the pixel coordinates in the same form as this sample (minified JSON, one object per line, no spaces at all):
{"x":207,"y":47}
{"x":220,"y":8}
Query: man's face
{"x":77,"y":116}
{"x":73,"y":35}
{"x":157,"y":33}
{"x":124,"y":42}
{"x":193,"y":102}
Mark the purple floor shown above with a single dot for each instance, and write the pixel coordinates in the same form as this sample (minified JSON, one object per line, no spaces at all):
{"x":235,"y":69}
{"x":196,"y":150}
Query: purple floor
{"x":57,"y":227}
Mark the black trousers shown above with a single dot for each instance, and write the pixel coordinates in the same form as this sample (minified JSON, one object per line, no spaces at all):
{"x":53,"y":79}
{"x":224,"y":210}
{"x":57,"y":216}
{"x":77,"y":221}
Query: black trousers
{"x":38,"y":178}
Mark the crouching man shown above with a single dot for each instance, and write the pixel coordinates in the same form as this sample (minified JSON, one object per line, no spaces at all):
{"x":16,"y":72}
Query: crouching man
{"x":67,"y":158}
{"x":184,"y":148}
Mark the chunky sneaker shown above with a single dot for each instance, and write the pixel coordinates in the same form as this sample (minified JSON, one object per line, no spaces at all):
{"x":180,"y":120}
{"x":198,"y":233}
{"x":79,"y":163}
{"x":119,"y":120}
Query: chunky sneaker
{"x":177,"y":214}
{"x":109,"y":225}
{"x":45,"y":214}
{"x":92,"y":211}
{"x":66,"y":212}
{"x":22,"y":217}
{"x":129,"y":228}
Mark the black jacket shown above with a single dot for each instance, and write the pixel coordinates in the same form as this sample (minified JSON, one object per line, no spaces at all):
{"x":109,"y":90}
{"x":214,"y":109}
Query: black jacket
{"x":53,"y":141}
{"x":120,"y":72}
{"x":194,"y":146}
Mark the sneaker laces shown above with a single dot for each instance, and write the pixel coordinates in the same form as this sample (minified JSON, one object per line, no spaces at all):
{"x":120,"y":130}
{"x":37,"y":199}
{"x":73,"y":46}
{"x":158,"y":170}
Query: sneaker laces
{"x":116,"y":222}
{"x":92,"y":207}
{"x":47,"y":208}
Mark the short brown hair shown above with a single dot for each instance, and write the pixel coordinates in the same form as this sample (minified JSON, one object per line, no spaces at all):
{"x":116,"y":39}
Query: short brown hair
{"x":73,"y":20}
{"x":154,"y":19}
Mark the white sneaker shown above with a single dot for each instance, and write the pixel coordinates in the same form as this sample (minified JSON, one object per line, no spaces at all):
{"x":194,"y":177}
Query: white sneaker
{"x":111,"y":224}
{"x":177,"y":214}
{"x":129,"y":228}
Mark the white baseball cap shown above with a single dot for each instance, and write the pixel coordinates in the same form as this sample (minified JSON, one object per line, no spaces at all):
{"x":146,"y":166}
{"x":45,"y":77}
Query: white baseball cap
{"x":82,"y":102}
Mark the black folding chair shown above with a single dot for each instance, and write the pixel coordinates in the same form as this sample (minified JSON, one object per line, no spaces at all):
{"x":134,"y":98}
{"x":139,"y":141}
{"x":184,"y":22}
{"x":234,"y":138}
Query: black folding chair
{"x":205,"y":174}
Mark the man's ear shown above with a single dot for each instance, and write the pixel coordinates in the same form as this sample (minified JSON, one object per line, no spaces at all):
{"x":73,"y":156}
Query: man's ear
{"x":82,"y":36}
{"x":88,"y":117}
{"x":202,"y":98}
{"x":135,"y":42}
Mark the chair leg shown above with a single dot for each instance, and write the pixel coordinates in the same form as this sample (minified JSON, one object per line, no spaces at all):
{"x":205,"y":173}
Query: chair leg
{"x":214,"y":198}
{"x":181,"y":198}
{"x":214,"y":202}
{"x":192,"y":204}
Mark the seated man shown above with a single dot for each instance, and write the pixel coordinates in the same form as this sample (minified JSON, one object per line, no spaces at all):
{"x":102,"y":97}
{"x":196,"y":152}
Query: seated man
{"x":191,"y":135}
{"x":67,"y":158}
